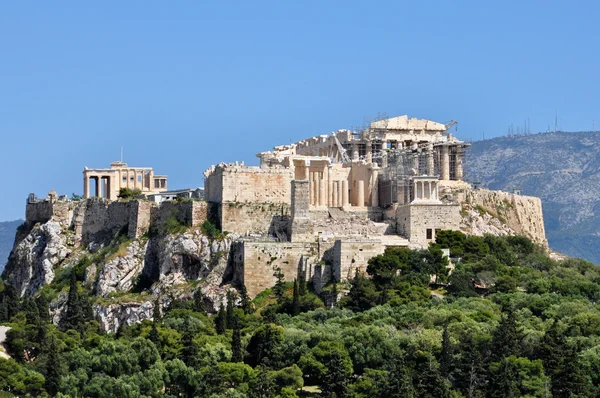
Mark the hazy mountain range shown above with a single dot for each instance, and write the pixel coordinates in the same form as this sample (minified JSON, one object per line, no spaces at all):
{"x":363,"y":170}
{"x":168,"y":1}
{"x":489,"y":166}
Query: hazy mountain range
{"x":561,"y":168}
{"x":7,"y":238}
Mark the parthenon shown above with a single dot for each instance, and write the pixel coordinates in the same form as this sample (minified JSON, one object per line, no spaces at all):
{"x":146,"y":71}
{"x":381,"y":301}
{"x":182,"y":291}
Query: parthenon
{"x":108,"y":182}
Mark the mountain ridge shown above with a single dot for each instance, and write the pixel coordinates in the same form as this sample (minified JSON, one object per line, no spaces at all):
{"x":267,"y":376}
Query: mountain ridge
{"x":8,"y":229}
{"x":561,"y":168}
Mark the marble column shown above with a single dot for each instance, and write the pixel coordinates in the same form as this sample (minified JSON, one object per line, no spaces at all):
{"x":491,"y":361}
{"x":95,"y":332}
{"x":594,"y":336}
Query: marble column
{"x":345,"y":201}
{"x":374,"y":189}
{"x":430,"y":162}
{"x":458,"y":171}
{"x":360,"y":193}
{"x":445,"y":164}
{"x":98,"y":191}
{"x":311,"y":185}
{"x":322,"y":198}
{"x":335,"y":194}
{"x":86,"y":186}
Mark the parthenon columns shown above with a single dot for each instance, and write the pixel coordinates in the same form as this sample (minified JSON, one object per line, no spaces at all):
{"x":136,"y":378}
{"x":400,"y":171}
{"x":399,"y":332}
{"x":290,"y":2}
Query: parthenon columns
{"x":459,"y":163}
{"x":445,"y":164}
{"x":430,"y":162}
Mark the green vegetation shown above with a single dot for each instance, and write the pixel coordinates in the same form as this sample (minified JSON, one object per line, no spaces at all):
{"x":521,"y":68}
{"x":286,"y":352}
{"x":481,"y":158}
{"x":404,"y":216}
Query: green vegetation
{"x":511,"y":323}
{"x":173,"y":225}
{"x":128,"y":193}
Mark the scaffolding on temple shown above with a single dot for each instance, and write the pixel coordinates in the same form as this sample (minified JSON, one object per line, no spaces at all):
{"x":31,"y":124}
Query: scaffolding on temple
{"x":399,"y":166}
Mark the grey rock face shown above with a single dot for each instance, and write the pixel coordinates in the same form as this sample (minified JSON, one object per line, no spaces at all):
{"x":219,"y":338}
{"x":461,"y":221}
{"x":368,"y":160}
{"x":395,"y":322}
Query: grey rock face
{"x":114,"y":315}
{"x":35,"y":258}
{"x":119,"y":273}
{"x":190,"y":256}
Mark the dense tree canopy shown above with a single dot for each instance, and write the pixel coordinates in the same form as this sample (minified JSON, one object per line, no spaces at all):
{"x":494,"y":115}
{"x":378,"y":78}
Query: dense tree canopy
{"x":507,"y":322}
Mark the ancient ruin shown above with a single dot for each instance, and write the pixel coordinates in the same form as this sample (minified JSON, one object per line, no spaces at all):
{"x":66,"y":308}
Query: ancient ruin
{"x":317,"y":209}
{"x":108,"y":182}
{"x":328,"y":203}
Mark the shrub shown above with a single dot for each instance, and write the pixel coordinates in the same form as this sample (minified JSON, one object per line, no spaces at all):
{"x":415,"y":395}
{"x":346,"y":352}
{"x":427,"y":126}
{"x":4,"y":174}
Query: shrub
{"x":209,"y":229}
{"x":128,"y":193}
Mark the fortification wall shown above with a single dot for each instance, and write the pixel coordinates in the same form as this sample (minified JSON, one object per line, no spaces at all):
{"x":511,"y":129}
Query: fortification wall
{"x":44,"y":211}
{"x":414,"y":220}
{"x":260,"y":258}
{"x":231,"y":183}
{"x":190,"y":213}
{"x":522,"y":214}
{"x":243,"y":218}
{"x":99,"y":220}
{"x":352,"y":255}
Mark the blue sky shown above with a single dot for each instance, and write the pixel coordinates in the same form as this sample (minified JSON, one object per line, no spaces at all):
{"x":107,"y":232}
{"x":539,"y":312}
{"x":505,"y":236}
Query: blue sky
{"x":186,"y":84}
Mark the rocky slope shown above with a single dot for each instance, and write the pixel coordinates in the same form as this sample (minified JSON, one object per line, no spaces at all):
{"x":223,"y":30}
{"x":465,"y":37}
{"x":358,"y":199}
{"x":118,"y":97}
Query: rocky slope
{"x":563,"y":169}
{"x":8,"y":230}
{"x":125,"y":275}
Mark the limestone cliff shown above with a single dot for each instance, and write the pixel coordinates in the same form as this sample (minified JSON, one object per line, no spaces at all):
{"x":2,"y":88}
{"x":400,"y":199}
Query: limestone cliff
{"x":501,"y":213}
{"x":125,"y":273}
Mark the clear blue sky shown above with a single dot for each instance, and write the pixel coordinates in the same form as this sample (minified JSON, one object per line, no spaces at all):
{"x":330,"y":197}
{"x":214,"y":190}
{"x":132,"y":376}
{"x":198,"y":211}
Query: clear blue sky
{"x":182,"y":85}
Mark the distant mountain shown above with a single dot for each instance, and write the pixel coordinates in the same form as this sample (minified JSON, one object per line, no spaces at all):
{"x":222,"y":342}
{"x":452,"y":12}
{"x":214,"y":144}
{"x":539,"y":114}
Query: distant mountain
{"x":8,"y":229}
{"x":561,"y":168}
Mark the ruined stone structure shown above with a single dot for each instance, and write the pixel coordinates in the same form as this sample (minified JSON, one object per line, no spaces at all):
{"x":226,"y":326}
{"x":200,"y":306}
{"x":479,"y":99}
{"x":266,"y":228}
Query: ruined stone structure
{"x":108,"y":182}
{"x":321,"y":207}
{"x":99,"y":219}
{"x":318,"y":209}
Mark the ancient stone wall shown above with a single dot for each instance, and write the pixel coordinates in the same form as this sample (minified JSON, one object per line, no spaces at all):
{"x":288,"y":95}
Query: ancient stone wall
{"x":522,"y":214}
{"x":301,"y":227}
{"x":38,"y":212}
{"x":139,"y":218}
{"x":255,"y":218}
{"x":260,"y":259}
{"x":414,"y":220}
{"x":351,"y":255}
{"x":189,"y":213}
{"x":43,"y":211}
{"x":231,"y":183}
{"x":98,"y":220}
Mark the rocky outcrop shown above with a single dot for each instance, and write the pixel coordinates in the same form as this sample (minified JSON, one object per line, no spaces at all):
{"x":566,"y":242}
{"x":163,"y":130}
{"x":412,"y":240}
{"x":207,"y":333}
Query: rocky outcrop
{"x":112,"y":316}
{"x":190,"y":256}
{"x":120,"y":272}
{"x":125,"y":274}
{"x":34,"y":259}
{"x":502,"y":213}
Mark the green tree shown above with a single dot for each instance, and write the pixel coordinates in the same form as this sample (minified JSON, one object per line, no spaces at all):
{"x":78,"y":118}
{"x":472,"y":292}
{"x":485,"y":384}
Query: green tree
{"x":446,"y":355}
{"x":199,"y":305}
{"x":221,"y":320}
{"x":53,"y":369}
{"x":506,"y":340}
{"x":561,"y":363}
{"x":246,"y":303}
{"x":279,"y":288}
{"x":518,"y":377}
{"x":229,"y":312}
{"x":362,"y":295}
{"x":236,"y":344}
{"x":337,"y":374}
{"x":400,"y":380}
{"x":263,"y":386}
{"x":153,"y":335}
{"x":263,"y":345}
{"x":9,"y":302}
{"x":75,"y":315}
{"x":295,"y":299}
{"x":189,"y":350}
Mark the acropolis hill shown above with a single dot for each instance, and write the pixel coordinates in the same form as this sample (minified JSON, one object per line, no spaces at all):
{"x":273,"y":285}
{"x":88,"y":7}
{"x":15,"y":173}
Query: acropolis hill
{"x":317,"y":209}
